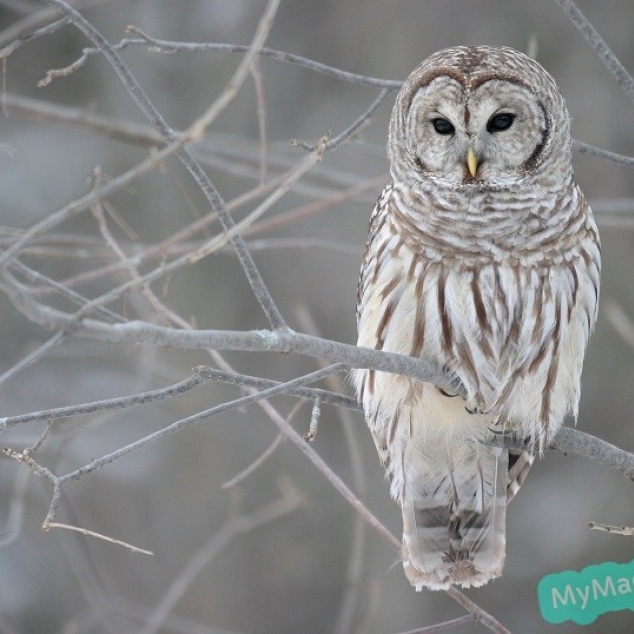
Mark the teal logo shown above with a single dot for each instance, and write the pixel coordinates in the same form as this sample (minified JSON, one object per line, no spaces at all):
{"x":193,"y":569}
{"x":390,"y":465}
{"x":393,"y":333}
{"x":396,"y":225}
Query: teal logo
{"x":583,"y":596}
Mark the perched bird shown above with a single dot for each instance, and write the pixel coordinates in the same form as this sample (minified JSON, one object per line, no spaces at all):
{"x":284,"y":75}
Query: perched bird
{"x":483,"y":257}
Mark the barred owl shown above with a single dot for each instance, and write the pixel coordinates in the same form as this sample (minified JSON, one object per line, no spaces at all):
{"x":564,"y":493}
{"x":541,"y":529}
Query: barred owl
{"x":483,"y":258}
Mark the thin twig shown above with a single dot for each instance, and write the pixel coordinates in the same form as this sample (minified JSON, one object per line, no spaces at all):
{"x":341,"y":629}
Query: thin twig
{"x":25,"y":458}
{"x":37,"y":19}
{"x":33,"y":35}
{"x":260,"y":96}
{"x":311,"y":434}
{"x":355,"y":126}
{"x":315,"y":207}
{"x":162,"y":249}
{"x":11,"y":531}
{"x":480,"y":615}
{"x":264,"y":26}
{"x":354,"y":572}
{"x":35,"y":277}
{"x":32,"y":357}
{"x":280,"y":185}
{"x":255,"y":465}
{"x":122,"y":257}
{"x":290,"y":501}
{"x":597,"y":152}
{"x":263,"y":457}
{"x":196,"y":419}
{"x":84,"y":531}
{"x":617,"y":530}
{"x":83,"y":203}
{"x":167,"y":46}
{"x":445,"y":625}
{"x":157,"y":121}
{"x":121,"y":402}
{"x":240,"y":227}
{"x":617,"y":70}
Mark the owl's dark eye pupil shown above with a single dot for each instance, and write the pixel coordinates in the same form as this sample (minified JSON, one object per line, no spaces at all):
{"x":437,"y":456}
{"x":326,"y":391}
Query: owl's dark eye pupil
{"x":499,"y":122}
{"x":442,"y":126}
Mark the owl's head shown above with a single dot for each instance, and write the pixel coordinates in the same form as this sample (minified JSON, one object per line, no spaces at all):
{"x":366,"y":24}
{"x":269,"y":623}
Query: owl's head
{"x":480,"y":116}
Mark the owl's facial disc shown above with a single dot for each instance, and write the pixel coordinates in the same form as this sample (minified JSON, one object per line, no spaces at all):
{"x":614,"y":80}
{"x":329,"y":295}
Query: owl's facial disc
{"x":490,"y":133}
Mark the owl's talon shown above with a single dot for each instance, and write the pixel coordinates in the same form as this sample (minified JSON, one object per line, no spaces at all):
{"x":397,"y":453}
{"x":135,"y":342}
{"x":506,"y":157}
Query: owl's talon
{"x":513,"y":437}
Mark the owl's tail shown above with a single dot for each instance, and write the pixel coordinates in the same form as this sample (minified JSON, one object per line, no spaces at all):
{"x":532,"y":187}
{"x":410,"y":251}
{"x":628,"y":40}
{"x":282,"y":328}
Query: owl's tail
{"x":454,"y":510}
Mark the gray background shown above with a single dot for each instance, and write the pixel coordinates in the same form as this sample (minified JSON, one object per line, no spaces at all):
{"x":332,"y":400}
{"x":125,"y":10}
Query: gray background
{"x":288,"y":576}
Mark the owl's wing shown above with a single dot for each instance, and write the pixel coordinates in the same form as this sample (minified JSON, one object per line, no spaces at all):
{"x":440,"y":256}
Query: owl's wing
{"x":373,"y":252}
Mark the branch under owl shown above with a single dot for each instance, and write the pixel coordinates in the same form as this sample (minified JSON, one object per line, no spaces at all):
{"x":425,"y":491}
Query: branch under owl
{"x":567,"y":441}
{"x":572,"y":441}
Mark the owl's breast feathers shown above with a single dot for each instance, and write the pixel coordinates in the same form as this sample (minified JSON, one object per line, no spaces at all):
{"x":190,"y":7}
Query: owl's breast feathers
{"x":505,"y":299}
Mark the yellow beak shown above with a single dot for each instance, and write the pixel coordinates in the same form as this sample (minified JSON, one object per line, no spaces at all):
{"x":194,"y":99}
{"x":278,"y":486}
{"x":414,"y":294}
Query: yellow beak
{"x":472,"y":162}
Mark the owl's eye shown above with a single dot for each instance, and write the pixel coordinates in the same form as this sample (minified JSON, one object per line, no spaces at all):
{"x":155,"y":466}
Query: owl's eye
{"x":499,"y":122}
{"x":442,"y":126}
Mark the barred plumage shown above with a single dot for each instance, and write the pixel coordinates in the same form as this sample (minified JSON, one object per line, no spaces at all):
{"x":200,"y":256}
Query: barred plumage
{"x":482,"y":257}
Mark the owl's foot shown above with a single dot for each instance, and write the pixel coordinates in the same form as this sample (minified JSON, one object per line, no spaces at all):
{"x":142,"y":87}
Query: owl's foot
{"x":514,"y":439}
{"x":447,"y":393}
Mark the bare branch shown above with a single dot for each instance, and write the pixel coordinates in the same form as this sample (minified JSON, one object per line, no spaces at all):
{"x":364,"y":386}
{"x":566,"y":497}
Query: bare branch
{"x":11,"y":531}
{"x":83,"y":203}
{"x":256,"y":73}
{"x":38,"y":469}
{"x":445,"y":625}
{"x":354,"y":573}
{"x":166,"y":46}
{"x":108,"y":404}
{"x":613,"y":157}
{"x":254,"y":340}
{"x":581,"y":444}
{"x":617,"y":70}
{"x":285,"y":186}
{"x":480,"y":615}
{"x":311,"y":434}
{"x":355,"y":126}
{"x":157,"y":121}
{"x":256,"y":464}
{"x":206,"y":119}
{"x":31,"y":358}
{"x":84,"y":531}
{"x":36,"y":20}
{"x":290,"y":501}
{"x":198,"y":418}
{"x":40,"y":110}
{"x":33,"y":35}
{"x":569,"y":440}
{"x":607,"y":528}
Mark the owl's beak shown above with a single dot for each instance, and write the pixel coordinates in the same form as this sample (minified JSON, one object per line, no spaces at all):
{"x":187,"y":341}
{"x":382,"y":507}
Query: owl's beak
{"x":472,"y":162}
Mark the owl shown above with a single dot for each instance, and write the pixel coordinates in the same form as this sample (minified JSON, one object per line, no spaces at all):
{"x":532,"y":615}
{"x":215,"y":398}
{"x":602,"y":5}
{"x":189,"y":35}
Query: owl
{"x":482,"y":258}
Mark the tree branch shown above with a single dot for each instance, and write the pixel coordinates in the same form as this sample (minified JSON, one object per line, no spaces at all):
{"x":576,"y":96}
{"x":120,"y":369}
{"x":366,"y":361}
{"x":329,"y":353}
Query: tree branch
{"x":617,"y":70}
{"x":158,"y":122}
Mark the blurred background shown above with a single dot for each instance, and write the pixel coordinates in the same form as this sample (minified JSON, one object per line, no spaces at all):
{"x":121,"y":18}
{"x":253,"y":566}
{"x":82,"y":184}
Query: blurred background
{"x":313,"y":568}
